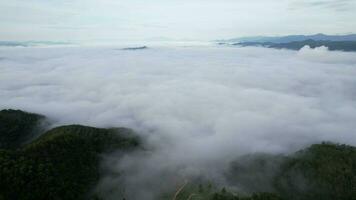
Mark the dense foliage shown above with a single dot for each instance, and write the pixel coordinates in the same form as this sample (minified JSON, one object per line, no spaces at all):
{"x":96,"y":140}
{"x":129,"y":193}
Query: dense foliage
{"x":61,"y":164}
{"x":323,"y":171}
{"x":255,"y":172}
{"x":16,"y":126}
{"x":223,"y":195}
{"x":193,"y":191}
{"x":320,"y":172}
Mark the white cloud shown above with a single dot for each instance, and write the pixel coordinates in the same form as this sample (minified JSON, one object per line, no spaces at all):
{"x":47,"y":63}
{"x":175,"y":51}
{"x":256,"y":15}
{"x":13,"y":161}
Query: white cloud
{"x":196,"y":106}
{"x":331,"y":5}
{"x":322,"y":54}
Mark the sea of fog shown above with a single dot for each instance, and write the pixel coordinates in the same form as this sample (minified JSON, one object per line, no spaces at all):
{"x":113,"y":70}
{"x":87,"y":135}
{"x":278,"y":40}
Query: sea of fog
{"x":197,"y":108}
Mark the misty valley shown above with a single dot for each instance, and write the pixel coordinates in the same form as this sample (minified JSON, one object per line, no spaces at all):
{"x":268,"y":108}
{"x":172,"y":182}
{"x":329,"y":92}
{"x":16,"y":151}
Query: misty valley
{"x":177,"y":100}
{"x":214,"y":122}
{"x":64,"y":163}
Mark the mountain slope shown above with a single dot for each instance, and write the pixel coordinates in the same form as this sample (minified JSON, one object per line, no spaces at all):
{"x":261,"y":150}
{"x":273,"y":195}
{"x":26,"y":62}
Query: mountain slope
{"x":61,"y":164}
{"x":17,"y":126}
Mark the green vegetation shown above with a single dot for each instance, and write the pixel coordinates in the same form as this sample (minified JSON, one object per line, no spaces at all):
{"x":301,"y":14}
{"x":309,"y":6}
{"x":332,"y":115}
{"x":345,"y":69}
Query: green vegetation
{"x":255,"y":172}
{"x":191,"y":191}
{"x":195,"y":191}
{"x":61,"y":164}
{"x":223,"y":195}
{"x":323,"y":171}
{"x":16,"y":127}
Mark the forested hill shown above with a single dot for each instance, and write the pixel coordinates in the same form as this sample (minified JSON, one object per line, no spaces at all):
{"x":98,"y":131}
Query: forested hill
{"x":63,"y":163}
{"x":16,"y":127}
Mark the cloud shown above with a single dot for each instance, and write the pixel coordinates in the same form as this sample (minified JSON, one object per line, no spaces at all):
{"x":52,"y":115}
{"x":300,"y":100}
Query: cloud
{"x":337,"y":5}
{"x":322,"y":54}
{"x":197,"y":108}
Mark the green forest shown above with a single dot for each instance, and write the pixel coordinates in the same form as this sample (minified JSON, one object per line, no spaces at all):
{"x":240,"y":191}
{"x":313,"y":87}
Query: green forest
{"x":61,"y":164}
{"x":64,"y":163}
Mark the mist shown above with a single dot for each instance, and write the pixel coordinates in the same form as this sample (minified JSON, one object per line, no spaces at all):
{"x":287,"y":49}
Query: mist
{"x":196,"y":108}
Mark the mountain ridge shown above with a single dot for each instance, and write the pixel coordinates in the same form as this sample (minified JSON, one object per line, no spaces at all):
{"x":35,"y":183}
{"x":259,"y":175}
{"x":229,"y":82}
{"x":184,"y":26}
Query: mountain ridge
{"x":347,"y":46}
{"x":292,"y":38}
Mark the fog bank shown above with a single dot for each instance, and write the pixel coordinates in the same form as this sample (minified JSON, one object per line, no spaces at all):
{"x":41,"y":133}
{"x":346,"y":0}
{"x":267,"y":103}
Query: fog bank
{"x":198,"y":108}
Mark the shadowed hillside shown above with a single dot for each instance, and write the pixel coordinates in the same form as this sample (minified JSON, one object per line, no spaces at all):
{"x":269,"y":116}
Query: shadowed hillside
{"x":64,"y":163}
{"x":17,"y":126}
{"x":322,"y":171}
{"x":61,"y":164}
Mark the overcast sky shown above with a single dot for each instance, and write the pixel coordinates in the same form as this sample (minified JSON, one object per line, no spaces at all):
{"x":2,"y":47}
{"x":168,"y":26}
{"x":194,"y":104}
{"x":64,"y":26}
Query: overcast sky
{"x":105,"y":20}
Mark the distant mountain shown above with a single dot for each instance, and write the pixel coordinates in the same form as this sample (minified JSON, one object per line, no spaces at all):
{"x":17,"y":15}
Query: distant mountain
{"x":30,"y":43}
{"x":135,"y":48}
{"x":297,"y":45}
{"x":293,"y":38}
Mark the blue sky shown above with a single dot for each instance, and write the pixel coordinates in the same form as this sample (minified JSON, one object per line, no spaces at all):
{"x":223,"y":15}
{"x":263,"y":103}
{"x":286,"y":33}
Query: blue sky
{"x":133,"y":20}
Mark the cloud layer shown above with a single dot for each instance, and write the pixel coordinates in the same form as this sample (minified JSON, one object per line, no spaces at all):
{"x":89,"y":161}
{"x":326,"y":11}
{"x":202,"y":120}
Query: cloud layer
{"x":197,"y":107}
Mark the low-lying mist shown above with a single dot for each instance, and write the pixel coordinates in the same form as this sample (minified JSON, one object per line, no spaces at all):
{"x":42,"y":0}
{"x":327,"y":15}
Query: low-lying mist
{"x":197,"y":108}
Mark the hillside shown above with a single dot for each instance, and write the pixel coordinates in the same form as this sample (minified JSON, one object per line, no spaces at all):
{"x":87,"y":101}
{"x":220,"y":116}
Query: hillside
{"x":16,"y":126}
{"x":64,"y":163}
{"x":322,"y":171}
{"x":61,"y":164}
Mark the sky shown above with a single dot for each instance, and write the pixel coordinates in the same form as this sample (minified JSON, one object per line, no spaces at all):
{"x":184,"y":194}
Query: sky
{"x":142,"y":20}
